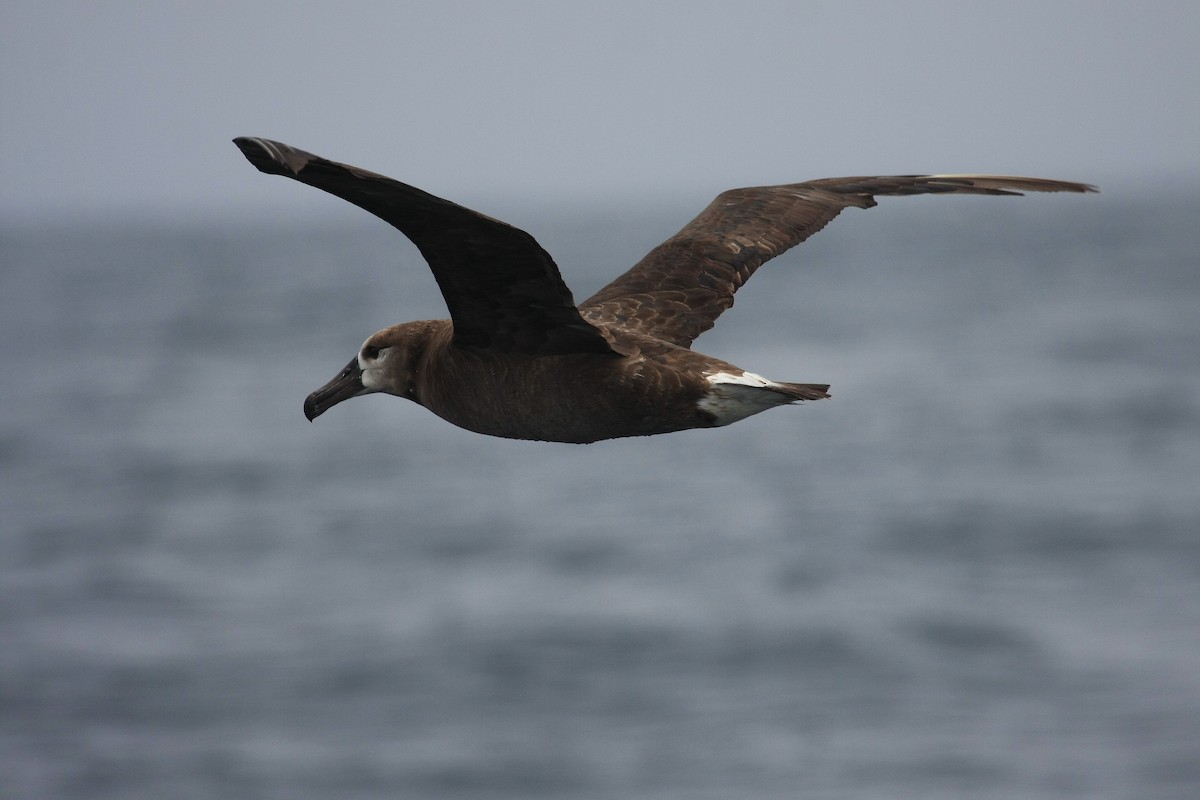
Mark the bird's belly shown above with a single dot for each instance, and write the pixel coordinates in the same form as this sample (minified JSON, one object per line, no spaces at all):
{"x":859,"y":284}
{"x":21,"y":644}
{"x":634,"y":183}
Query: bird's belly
{"x":569,"y":399}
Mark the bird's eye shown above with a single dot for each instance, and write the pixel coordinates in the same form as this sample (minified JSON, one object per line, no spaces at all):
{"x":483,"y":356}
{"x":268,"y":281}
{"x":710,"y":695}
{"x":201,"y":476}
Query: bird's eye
{"x":371,"y":352}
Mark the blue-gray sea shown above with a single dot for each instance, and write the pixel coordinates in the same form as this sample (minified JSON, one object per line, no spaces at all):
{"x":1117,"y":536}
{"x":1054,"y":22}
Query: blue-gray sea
{"x":974,"y":572}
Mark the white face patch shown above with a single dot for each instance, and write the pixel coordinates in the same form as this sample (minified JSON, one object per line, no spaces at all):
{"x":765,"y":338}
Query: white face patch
{"x":373,"y":369}
{"x":735,"y":397}
{"x":372,"y":379}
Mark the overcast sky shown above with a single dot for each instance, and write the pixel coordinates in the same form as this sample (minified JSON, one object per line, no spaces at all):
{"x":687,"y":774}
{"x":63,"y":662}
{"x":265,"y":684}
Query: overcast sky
{"x":128,"y":107}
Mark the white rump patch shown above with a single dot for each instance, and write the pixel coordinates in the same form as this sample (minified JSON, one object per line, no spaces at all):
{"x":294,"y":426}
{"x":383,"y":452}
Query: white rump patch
{"x":745,"y":379}
{"x":735,"y":397}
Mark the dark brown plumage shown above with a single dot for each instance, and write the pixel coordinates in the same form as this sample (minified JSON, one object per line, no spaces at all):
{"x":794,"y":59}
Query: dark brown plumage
{"x":519,"y":359}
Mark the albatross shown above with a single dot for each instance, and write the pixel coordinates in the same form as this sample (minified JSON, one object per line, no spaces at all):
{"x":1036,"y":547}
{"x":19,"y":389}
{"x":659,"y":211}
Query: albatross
{"x":519,"y":359}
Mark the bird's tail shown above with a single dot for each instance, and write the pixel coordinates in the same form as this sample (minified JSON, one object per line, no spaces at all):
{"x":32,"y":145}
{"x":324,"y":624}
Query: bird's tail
{"x":803,"y":391}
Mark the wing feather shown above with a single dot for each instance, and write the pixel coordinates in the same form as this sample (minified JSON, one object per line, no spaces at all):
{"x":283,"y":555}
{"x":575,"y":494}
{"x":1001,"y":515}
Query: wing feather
{"x":504,"y":291}
{"x":680,"y":288}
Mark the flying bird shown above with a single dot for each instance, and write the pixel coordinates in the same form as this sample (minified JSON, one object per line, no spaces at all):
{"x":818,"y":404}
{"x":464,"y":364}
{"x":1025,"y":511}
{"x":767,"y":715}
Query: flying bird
{"x":519,"y":359}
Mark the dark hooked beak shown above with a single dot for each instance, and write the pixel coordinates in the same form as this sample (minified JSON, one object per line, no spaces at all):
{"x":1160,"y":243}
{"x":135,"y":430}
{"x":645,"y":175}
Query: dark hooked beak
{"x":347,"y":384}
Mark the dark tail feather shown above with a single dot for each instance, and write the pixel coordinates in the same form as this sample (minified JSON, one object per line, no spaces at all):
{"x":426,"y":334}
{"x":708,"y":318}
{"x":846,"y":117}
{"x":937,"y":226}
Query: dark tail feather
{"x":805,"y":391}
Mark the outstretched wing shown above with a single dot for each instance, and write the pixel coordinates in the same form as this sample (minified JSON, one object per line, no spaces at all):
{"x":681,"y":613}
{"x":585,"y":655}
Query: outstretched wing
{"x":680,"y":288}
{"x":503,"y":290}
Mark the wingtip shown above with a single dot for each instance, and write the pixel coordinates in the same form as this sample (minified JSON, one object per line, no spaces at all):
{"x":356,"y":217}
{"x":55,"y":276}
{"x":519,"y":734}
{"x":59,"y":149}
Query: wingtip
{"x":1074,"y":186}
{"x":1017,"y":185}
{"x":271,"y":157}
{"x":250,"y":145}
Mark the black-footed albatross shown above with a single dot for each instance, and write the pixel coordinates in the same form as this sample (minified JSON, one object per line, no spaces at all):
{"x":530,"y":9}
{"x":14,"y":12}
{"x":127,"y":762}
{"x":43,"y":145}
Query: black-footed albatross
{"x":519,"y":359}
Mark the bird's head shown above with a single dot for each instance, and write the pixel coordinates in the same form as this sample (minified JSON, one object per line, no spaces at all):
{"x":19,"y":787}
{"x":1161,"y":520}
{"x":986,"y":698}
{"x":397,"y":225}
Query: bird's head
{"x":386,"y":362}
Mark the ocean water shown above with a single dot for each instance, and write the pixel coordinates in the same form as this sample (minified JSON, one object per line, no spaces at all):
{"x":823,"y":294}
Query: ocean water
{"x":974,"y":572}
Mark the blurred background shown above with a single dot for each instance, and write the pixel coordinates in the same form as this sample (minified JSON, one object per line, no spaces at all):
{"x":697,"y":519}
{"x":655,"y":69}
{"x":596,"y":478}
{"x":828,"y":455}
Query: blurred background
{"x":973,"y":572}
